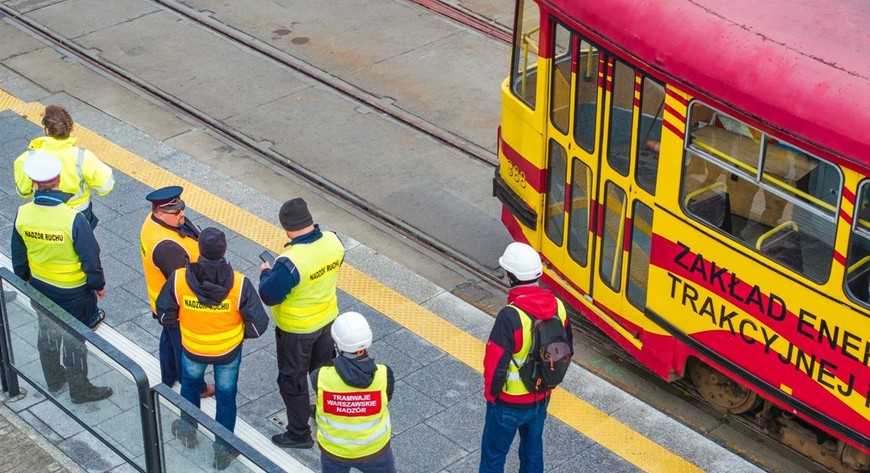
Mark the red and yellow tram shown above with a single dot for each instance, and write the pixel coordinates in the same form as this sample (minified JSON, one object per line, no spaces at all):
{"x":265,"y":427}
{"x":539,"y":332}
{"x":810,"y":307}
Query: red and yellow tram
{"x":695,"y":175}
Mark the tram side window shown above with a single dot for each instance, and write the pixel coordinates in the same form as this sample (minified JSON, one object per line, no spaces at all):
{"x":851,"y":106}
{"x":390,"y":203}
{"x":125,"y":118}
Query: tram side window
{"x":764,"y":193}
{"x":554,"y":217}
{"x":524,"y":72}
{"x":614,"y":235}
{"x":858,"y":262}
{"x":560,"y":100}
{"x":621,"y":117}
{"x":652,"y":103}
{"x":578,"y":223}
{"x":586,"y":95}
{"x":638,"y":258}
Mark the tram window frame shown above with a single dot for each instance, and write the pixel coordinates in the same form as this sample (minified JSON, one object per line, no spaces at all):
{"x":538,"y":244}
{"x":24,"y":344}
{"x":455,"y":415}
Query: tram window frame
{"x":578,"y":235}
{"x":560,"y":107}
{"x":615,"y":257}
{"x":858,"y":290}
{"x":649,"y":151}
{"x":621,"y":161}
{"x":639,"y":257}
{"x":555,"y":228}
{"x":521,"y":87}
{"x":587,"y":145}
{"x":789,"y":230}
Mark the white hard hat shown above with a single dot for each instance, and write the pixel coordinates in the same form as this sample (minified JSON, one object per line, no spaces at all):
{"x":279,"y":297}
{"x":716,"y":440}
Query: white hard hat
{"x":42,"y":168}
{"x":522,"y":261}
{"x":351,"y":332}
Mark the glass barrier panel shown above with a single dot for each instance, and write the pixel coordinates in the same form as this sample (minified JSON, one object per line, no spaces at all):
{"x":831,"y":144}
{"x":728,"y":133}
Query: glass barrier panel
{"x":192,"y":442}
{"x":77,"y":371}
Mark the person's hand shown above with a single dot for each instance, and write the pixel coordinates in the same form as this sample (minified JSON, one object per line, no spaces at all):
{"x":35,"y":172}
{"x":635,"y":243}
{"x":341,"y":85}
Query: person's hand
{"x":264,"y":266}
{"x":101,"y":293}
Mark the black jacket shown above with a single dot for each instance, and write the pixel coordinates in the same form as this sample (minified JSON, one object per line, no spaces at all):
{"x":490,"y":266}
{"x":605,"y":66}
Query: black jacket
{"x":211,"y":281}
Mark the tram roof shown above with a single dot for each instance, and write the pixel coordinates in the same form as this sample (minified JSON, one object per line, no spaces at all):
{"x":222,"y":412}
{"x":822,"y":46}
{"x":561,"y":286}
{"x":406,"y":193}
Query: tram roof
{"x":798,"y":65}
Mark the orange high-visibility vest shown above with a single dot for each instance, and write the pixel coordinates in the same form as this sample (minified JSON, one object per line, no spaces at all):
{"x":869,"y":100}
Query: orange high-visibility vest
{"x":209,"y":330}
{"x":153,"y":234}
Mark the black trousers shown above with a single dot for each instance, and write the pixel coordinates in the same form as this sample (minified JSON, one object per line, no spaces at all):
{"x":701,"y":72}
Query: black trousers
{"x":53,"y":340}
{"x":298,"y":355}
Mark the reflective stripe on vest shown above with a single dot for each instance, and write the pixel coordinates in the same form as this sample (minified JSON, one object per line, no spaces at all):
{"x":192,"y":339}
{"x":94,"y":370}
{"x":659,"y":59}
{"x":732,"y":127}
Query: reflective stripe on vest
{"x":71,"y":177}
{"x":47,"y":234}
{"x":514,"y":385}
{"x":209,"y":330}
{"x":312,"y":303}
{"x":352,"y":422}
{"x":151,"y":235}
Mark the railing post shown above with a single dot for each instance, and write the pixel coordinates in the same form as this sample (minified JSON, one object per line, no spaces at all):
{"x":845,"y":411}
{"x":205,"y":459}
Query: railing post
{"x":150,"y":436}
{"x":7,"y":375}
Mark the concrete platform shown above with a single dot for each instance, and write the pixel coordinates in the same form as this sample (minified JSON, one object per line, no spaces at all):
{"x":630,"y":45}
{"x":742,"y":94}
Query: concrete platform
{"x":432,"y":340}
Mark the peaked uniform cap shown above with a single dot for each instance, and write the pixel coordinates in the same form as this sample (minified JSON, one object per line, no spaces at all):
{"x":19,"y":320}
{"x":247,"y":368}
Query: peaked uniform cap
{"x":42,"y":168}
{"x":166,"y":198}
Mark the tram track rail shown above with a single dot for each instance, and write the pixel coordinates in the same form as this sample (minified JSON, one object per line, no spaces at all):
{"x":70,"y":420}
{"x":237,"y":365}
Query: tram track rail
{"x":468,"y":18}
{"x":178,"y":106}
{"x":461,"y":145}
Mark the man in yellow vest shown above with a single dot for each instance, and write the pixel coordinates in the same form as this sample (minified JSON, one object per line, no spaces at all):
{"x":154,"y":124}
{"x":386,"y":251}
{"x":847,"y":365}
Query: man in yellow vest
{"x":301,"y":289}
{"x":168,"y":241}
{"x":510,"y":407}
{"x":353,"y":421}
{"x":82,"y":170}
{"x":54,"y":249}
{"x":215,"y":309}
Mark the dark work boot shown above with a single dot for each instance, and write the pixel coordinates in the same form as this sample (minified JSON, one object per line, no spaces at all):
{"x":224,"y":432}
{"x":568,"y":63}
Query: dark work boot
{"x":284,"y":441}
{"x":185,"y":432}
{"x":223,"y":457}
{"x":55,"y":383}
{"x":90,"y":393}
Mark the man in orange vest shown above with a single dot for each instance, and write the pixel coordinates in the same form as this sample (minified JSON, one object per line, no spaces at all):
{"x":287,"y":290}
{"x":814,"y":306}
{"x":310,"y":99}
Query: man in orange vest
{"x":168,"y":241}
{"x":215,"y":308}
{"x":510,"y":407}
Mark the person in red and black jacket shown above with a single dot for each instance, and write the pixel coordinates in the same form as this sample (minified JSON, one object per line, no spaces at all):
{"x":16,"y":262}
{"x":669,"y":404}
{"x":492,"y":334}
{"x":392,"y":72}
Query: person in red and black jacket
{"x":510,"y":407}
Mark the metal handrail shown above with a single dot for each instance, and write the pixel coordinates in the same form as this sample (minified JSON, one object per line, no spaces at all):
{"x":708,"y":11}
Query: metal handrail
{"x":74,"y":327}
{"x":214,"y":427}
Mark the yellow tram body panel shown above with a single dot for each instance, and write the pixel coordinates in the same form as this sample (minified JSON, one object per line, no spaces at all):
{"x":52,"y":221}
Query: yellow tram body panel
{"x":772,"y":291}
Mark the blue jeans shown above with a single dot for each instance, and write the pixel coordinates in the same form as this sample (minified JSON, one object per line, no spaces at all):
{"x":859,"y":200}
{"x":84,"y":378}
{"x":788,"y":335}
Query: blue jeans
{"x":500,"y":428}
{"x":383,"y":464}
{"x":226,"y":383}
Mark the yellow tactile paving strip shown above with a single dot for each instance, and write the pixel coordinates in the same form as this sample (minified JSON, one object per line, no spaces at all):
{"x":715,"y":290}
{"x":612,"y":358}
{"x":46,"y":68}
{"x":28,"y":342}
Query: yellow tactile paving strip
{"x":583,"y":417}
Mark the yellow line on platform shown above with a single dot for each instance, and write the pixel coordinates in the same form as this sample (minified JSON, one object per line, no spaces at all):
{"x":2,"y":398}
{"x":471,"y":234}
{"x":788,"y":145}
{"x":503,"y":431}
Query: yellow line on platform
{"x":610,"y":433}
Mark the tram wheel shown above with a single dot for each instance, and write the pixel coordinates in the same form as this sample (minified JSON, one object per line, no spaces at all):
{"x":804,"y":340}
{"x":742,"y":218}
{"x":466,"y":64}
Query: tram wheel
{"x":720,"y":391}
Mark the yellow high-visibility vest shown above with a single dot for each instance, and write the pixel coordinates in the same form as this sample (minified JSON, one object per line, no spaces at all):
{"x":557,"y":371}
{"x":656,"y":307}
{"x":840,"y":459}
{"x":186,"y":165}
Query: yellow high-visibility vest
{"x":514,"y":385}
{"x":352,"y":422}
{"x":312,"y":304}
{"x":82,"y":171}
{"x":47,"y":234}
{"x":209,"y":330}
{"x":151,"y":235}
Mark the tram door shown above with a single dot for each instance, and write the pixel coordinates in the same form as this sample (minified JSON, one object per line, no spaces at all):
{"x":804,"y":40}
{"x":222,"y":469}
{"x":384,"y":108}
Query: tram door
{"x":572,"y":160}
{"x":601,"y":174}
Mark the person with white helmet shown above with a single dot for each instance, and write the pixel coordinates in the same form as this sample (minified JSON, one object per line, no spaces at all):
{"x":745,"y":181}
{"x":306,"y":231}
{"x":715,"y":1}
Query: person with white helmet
{"x":510,"y":406}
{"x":353,"y":421}
{"x":54,"y":249}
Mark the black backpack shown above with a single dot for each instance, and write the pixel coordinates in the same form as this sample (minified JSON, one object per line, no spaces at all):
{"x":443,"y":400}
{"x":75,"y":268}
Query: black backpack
{"x":549,"y":356}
